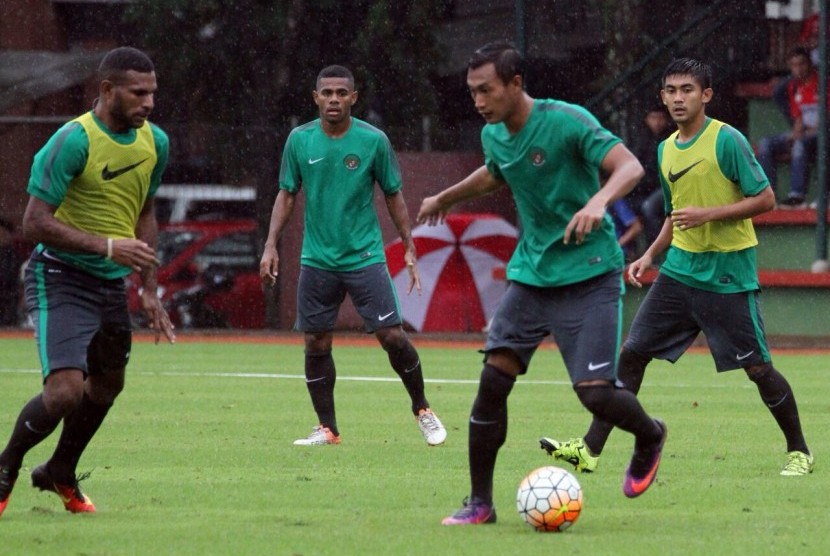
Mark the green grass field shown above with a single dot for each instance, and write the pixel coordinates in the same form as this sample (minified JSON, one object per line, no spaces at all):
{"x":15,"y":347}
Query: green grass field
{"x":196,"y":457}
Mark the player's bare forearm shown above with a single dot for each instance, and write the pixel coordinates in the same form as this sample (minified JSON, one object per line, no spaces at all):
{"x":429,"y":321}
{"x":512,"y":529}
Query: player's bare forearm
{"x":280,"y":215}
{"x":41,"y":226}
{"x":396,"y":206}
{"x":146,"y":230}
{"x":692,"y":217}
{"x":400,"y":217}
{"x":624,"y":172}
{"x":478,"y":184}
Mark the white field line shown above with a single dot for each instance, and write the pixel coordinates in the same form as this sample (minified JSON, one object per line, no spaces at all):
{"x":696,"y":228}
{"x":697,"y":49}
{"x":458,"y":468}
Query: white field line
{"x":394,"y":379}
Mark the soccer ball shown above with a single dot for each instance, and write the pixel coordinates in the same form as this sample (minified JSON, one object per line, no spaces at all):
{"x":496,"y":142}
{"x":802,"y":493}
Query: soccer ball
{"x":549,"y":499}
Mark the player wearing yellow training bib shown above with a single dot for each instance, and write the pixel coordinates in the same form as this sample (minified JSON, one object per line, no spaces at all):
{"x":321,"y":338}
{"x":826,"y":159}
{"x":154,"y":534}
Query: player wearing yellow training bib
{"x":712,"y":187}
{"x":90,"y":212}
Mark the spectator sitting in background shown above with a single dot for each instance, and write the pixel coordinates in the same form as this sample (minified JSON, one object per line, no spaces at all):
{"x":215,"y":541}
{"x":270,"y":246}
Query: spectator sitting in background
{"x":801,"y":141}
{"x":647,"y":197}
{"x":808,"y":38}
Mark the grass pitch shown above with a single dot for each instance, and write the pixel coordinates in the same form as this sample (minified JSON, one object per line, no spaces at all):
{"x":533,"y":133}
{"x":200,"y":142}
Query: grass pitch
{"x":196,"y":457}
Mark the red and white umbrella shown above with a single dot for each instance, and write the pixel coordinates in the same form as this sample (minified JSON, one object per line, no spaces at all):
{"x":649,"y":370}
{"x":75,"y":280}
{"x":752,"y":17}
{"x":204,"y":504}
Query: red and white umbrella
{"x":461,"y":263}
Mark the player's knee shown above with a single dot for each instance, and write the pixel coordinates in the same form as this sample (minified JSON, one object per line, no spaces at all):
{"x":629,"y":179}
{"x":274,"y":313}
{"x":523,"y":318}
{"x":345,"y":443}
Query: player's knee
{"x":594,"y":395}
{"x":63,"y":391}
{"x":756,"y":373}
{"x":103,"y":389}
{"x":392,"y":339}
{"x":318,"y":342}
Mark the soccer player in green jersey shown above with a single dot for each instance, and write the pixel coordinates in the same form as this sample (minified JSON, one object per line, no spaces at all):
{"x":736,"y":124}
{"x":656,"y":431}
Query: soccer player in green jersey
{"x":713,"y":186}
{"x":91,"y":214}
{"x":337,"y":159}
{"x":566,"y":272}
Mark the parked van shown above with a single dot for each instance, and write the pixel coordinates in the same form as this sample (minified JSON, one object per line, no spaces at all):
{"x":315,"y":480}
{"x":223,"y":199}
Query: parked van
{"x":204,"y":201}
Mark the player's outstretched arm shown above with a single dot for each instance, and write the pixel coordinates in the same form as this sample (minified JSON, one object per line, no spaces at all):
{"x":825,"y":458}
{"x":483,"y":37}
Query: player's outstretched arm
{"x":434,"y":209}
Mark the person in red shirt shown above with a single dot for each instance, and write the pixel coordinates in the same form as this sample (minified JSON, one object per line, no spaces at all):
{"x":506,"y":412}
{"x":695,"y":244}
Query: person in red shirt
{"x":801,"y":141}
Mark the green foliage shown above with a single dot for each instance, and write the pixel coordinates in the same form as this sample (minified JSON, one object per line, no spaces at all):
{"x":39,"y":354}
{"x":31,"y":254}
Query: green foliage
{"x":196,"y":457}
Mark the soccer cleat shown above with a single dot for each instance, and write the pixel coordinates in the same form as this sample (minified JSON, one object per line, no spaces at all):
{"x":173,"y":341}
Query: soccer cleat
{"x":431,"y":427}
{"x":7,"y":479}
{"x":70,"y":494}
{"x":472,"y":513}
{"x":573,"y":451}
{"x":798,"y":463}
{"x":642,"y":470}
{"x":320,"y":436}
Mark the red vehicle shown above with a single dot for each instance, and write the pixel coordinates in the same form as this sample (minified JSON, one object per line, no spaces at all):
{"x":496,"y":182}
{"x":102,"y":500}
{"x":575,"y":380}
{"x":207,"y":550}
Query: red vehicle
{"x":209,"y":275}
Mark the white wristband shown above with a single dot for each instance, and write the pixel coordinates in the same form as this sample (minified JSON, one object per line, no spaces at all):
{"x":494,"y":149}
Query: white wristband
{"x":109,"y":248}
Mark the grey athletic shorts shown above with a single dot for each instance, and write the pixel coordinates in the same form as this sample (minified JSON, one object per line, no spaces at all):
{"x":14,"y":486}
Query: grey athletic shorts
{"x":81,"y":322}
{"x":583,"y":318}
{"x":321,"y":292}
{"x":673,"y":314}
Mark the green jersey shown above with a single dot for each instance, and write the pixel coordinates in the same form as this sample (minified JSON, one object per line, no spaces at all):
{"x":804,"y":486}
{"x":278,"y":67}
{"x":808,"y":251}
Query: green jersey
{"x":715,"y":168}
{"x":552,"y":168}
{"x":338,"y":176}
{"x":99,"y":181}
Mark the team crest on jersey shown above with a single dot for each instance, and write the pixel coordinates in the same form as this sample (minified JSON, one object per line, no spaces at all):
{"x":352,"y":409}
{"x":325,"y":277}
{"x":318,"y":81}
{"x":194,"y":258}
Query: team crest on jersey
{"x":351,"y":162}
{"x":536,"y":156}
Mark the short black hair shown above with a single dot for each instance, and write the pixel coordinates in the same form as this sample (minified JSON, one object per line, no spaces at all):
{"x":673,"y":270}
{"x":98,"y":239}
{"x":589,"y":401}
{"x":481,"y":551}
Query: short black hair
{"x":504,"y":56}
{"x":120,"y":60}
{"x":800,"y":51}
{"x":335,"y":71}
{"x":700,"y":71}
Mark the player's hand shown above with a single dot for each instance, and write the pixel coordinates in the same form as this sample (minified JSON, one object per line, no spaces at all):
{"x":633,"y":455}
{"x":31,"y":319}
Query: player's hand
{"x":414,"y":275}
{"x":133,"y":253}
{"x":431,"y":212}
{"x":585,"y":221}
{"x":689,"y":217}
{"x":157,"y":317}
{"x":269,"y":266}
{"x":637,"y":268}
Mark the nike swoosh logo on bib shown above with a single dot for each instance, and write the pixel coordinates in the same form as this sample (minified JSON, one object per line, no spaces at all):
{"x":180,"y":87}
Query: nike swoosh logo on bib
{"x":674,"y":177}
{"x":107,"y":174}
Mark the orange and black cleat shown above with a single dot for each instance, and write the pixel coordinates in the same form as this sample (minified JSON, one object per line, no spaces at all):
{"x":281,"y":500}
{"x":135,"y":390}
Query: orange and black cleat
{"x":70,"y":494}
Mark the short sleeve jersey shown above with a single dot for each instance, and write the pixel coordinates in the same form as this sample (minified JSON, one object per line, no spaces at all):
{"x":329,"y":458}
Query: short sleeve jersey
{"x":552,"y":168}
{"x":715,"y":168}
{"x":99,"y":182}
{"x":338,"y":177}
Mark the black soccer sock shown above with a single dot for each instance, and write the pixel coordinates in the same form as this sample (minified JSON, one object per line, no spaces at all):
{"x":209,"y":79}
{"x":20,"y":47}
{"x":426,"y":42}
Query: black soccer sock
{"x":78,"y":429}
{"x":33,"y":425}
{"x":488,"y":430}
{"x":320,"y":377}
{"x":779,"y":398}
{"x":404,"y":359}
{"x":632,"y":368}
{"x":620,"y":408}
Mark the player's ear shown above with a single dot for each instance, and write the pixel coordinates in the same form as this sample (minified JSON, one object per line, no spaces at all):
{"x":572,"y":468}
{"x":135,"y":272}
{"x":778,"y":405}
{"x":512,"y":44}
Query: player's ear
{"x":706,"y":95}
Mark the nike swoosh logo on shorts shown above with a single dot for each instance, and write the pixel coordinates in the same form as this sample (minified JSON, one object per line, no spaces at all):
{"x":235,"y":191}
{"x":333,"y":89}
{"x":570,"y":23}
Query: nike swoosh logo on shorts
{"x":674,"y":177}
{"x":592,"y":367}
{"x":744,"y":356}
{"x":315,"y":161}
{"x":386,"y":316}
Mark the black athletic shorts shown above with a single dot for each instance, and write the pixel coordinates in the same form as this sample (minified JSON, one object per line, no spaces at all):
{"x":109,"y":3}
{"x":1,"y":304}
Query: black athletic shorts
{"x":81,"y":321}
{"x":674,"y":314}
{"x":321,"y":292}
{"x":583,"y":318}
